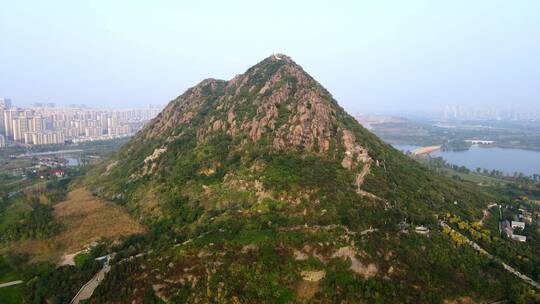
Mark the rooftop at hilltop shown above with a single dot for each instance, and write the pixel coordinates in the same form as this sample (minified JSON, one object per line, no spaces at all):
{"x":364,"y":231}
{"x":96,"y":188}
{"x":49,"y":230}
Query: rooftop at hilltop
{"x":280,"y":56}
{"x":274,"y":58}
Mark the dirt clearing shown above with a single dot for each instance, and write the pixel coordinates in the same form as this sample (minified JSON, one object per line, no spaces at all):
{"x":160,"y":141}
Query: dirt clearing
{"x":85,"y":219}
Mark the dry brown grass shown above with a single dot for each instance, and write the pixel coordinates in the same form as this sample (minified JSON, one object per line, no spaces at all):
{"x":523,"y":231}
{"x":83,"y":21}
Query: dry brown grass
{"x":85,"y":219}
{"x":460,"y":300}
{"x":306,"y":290}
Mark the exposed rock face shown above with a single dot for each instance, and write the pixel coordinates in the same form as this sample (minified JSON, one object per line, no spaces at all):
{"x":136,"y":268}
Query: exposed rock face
{"x":285,"y":106}
{"x":353,"y":151}
{"x":313,"y":275}
{"x":366,"y":271}
{"x":275,"y":101}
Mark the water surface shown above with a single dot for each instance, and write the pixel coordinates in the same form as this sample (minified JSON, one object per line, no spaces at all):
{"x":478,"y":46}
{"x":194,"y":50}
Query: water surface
{"x":491,"y":158}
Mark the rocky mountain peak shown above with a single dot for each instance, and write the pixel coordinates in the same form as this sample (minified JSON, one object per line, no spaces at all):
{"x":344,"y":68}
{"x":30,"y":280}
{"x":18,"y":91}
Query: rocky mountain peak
{"x":276,"y":96}
{"x":274,"y":107}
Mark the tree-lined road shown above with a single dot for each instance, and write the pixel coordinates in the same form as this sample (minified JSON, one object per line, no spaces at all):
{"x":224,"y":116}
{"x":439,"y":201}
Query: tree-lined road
{"x":507,"y":267}
{"x":88,"y":289}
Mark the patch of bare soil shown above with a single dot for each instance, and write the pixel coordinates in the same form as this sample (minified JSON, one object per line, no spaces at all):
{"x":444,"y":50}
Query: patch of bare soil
{"x":85,"y":219}
{"x":366,"y":271}
{"x":307,"y":289}
{"x":460,"y":300}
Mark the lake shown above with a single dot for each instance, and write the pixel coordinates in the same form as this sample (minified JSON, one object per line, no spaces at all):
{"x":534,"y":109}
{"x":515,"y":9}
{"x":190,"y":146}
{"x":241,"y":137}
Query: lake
{"x":492,"y":158}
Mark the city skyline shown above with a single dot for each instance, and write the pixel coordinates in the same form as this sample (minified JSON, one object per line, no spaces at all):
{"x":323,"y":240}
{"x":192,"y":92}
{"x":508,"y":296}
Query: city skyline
{"x":47,"y":124}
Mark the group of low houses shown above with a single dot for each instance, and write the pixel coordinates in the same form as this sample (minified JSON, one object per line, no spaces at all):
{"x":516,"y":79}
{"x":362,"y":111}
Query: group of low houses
{"x":523,"y":218}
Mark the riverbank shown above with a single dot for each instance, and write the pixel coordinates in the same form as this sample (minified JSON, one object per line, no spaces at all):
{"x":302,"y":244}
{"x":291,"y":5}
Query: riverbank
{"x":425,"y":150}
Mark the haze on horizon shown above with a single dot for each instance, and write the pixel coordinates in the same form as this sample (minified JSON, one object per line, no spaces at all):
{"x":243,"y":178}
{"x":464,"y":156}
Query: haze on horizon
{"x":372,"y":56}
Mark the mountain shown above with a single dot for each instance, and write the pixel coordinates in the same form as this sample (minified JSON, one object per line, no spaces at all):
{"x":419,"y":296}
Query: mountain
{"x":262,"y":189}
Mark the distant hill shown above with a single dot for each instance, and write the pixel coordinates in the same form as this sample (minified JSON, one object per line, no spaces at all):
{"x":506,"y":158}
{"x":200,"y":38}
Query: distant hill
{"x":262,"y":189}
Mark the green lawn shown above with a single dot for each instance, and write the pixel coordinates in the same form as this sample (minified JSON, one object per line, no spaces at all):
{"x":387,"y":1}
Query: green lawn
{"x":7,"y":274}
{"x":475,"y":178}
{"x":11,"y":294}
{"x":13,"y":212}
{"x":81,"y":258}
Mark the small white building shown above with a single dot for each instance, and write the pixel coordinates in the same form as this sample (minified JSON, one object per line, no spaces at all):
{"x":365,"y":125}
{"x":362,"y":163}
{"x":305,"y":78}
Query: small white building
{"x":518,"y":237}
{"x":421,"y":230}
{"x":480,"y":142}
{"x":518,"y":225}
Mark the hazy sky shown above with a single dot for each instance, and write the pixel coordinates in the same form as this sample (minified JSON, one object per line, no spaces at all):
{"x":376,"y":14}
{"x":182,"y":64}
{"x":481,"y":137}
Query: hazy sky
{"x":372,"y":55}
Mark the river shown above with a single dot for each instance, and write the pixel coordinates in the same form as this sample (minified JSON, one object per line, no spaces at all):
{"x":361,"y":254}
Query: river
{"x":491,"y":158}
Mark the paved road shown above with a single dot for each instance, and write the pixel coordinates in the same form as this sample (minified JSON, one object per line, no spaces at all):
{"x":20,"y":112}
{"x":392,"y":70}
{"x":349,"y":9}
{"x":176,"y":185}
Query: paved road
{"x":28,"y":154}
{"x":508,"y":268}
{"x":520,"y":275}
{"x":13,"y":193}
{"x":370,"y":230}
{"x":11,"y":283}
{"x":88,"y":289}
{"x":17,"y":181}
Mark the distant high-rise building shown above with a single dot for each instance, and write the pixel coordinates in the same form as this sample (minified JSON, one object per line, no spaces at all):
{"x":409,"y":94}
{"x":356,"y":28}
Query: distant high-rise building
{"x":103,"y":121}
{"x":2,"y":141}
{"x":2,"y":123}
{"x":36,"y":124}
{"x":5,"y":103}
{"x":9,"y":116}
{"x":112,"y":123}
{"x":92,"y":131}
{"x":20,"y":126}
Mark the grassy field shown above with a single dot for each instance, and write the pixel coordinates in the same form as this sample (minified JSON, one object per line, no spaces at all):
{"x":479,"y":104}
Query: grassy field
{"x":81,"y":258}
{"x":12,"y":213}
{"x":475,"y":178}
{"x":6,"y":273}
{"x":17,"y":163}
{"x":85,"y":219}
{"x":11,"y":294}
